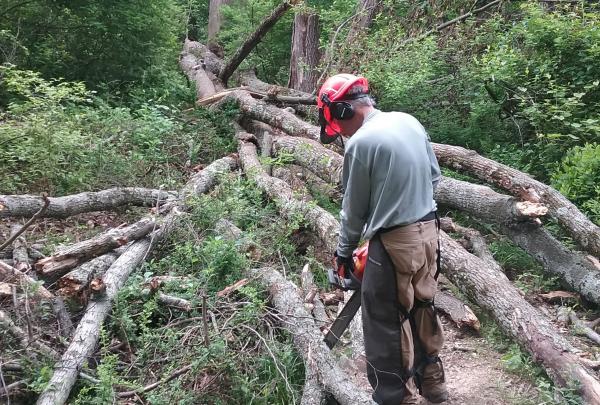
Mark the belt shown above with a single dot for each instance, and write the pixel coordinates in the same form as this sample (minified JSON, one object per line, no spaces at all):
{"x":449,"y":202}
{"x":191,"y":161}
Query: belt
{"x":428,"y":217}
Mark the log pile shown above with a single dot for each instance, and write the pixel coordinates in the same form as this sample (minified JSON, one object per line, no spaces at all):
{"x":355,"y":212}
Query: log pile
{"x":519,"y":216}
{"x":94,"y":270}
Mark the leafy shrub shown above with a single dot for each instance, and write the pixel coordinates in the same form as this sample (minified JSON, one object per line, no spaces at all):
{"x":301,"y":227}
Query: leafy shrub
{"x":57,"y":137}
{"x":578,"y":178}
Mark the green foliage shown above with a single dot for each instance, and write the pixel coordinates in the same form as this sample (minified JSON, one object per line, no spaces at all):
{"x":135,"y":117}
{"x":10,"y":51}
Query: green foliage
{"x":57,"y":137}
{"x":543,"y":73}
{"x":578,"y":178}
{"x":271,"y":56}
{"x":110,"y":45}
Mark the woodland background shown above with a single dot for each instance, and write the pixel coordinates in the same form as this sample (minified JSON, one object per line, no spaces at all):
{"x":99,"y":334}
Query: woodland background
{"x":92,"y":97}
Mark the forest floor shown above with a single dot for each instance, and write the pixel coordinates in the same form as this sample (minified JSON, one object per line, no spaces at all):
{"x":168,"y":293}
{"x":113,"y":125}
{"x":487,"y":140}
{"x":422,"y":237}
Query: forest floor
{"x":474,"y":372}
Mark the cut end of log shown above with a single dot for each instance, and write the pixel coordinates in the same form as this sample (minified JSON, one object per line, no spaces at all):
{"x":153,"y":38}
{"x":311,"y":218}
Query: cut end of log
{"x":97,"y":286}
{"x":531,"y":209}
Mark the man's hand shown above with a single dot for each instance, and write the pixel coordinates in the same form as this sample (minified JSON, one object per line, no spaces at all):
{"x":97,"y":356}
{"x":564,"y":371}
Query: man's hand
{"x":344,"y":263}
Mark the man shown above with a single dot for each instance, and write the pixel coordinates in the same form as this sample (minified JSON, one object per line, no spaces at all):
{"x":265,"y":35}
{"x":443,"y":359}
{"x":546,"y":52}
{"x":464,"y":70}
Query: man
{"x":389,"y":176}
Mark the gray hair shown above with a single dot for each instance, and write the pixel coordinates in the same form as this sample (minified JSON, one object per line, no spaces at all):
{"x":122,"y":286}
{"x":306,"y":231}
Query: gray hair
{"x":366,"y":101}
{"x":362,"y":101}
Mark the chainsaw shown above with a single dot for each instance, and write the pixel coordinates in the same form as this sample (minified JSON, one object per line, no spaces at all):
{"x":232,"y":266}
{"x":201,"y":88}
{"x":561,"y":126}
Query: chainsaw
{"x":346,"y":279}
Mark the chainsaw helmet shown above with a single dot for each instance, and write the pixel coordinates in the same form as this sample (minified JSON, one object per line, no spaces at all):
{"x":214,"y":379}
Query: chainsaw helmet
{"x":332,"y":103}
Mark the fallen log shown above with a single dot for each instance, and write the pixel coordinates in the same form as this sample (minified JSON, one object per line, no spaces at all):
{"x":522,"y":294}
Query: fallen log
{"x":492,"y":291}
{"x":193,"y":69}
{"x":276,"y":117}
{"x":23,"y":337}
{"x":75,"y":282}
{"x":320,"y":220}
{"x":573,"y":268}
{"x":581,"y":229}
{"x":87,"y":333}
{"x":248,"y":45}
{"x":64,"y":207}
{"x":21,"y":260}
{"x":70,"y":257}
{"x":308,"y":339}
{"x":567,"y":315}
{"x":577,"y":271}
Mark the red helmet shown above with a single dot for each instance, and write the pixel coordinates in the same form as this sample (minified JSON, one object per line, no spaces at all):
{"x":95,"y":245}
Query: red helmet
{"x":331,"y":105}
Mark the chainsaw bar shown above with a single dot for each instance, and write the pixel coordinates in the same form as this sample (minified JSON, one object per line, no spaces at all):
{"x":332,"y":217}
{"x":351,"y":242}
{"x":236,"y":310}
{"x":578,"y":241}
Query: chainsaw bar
{"x":343,"y":319}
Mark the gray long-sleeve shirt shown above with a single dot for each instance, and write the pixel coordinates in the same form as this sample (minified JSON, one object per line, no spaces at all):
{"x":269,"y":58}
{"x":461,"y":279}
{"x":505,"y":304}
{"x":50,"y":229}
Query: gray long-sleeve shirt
{"x":390,"y":172}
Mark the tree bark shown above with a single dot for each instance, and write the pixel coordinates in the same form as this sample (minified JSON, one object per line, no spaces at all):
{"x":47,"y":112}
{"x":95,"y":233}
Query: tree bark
{"x":584,"y":231}
{"x":231,"y":65}
{"x":319,"y":220}
{"x":493,"y":292}
{"x":75,"y":282}
{"x":87,"y":333}
{"x":305,"y":54}
{"x":214,"y":18}
{"x":72,"y":256}
{"x":21,"y":259}
{"x":63,"y":207}
{"x":9,"y":274}
{"x":308,"y":339}
{"x":194,"y":70}
{"x":367,"y":10}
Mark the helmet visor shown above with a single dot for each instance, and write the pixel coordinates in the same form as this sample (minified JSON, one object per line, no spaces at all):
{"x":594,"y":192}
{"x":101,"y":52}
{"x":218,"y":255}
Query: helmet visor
{"x":329,"y":128}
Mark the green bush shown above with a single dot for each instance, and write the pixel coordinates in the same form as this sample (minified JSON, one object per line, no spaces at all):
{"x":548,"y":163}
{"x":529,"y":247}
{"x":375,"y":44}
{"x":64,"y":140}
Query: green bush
{"x":578,"y":178}
{"x":57,"y":137}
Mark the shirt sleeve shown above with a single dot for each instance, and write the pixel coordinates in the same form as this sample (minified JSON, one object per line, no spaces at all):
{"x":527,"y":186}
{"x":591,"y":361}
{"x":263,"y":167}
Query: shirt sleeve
{"x":355,"y":205}
{"x":436,"y":174}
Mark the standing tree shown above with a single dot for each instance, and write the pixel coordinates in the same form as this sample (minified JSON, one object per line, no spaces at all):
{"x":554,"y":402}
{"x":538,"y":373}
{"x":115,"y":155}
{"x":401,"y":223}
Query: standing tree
{"x":305,"y":54}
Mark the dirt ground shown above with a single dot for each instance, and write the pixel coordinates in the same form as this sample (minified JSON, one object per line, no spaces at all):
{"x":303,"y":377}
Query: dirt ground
{"x":474,"y":373}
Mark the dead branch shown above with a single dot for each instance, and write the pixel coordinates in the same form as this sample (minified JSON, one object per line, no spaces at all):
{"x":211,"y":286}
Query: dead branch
{"x":567,"y":315}
{"x":21,"y":260}
{"x":70,"y":257}
{"x":231,"y":65}
{"x":64,"y":207}
{"x":456,"y":310}
{"x":88,"y":331}
{"x":128,"y":394}
{"x":11,"y":275}
{"x":35,"y":216}
{"x":23,"y":338}
{"x":175,"y":302}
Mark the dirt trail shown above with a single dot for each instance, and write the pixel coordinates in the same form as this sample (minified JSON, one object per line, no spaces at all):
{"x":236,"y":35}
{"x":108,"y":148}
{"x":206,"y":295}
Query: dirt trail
{"x":474,"y":373}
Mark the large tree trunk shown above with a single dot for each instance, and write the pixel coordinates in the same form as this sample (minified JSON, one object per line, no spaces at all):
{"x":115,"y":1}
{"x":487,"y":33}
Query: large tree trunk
{"x":493,"y":291}
{"x":214,"y":18}
{"x":63,"y":207}
{"x":193,"y":68}
{"x":308,"y":339}
{"x":366,"y":12}
{"x":70,"y":257}
{"x":584,"y":231}
{"x":232,"y":64}
{"x":305,"y":53}
{"x":87,"y":333}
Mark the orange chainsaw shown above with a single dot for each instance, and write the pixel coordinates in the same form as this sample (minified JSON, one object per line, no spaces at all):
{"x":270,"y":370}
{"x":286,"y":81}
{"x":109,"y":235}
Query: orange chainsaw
{"x":347,"y":279}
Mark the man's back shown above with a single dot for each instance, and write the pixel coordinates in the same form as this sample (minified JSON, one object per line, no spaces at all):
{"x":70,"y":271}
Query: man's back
{"x":393,"y":151}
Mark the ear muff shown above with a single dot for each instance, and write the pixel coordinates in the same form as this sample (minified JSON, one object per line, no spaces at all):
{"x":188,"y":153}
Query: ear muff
{"x":341,"y":110}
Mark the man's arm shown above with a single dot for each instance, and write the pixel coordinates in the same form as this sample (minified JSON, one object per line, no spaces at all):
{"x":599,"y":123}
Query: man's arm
{"x":355,"y":205}
{"x":436,"y":174}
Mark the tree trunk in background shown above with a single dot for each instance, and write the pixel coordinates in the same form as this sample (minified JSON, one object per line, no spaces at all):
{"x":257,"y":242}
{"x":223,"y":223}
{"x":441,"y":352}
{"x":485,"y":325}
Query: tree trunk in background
{"x":367,"y":10}
{"x":214,"y":18}
{"x":305,"y":53}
